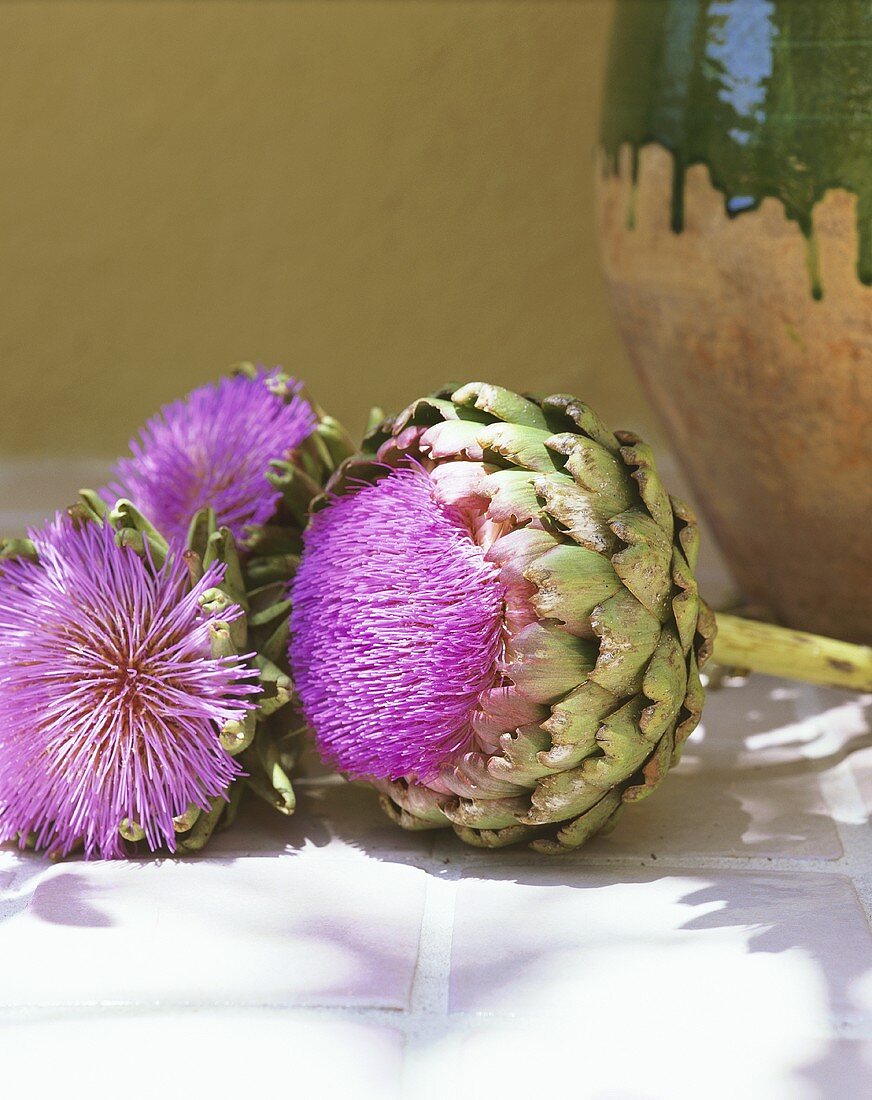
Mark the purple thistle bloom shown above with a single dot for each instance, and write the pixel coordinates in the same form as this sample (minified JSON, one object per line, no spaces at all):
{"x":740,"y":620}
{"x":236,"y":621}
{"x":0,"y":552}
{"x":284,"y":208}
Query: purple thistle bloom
{"x":396,"y":628}
{"x":213,"y":449}
{"x":111,"y":702}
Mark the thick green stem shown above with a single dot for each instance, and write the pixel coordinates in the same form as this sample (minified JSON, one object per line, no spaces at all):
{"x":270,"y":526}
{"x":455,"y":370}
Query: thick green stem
{"x":777,"y":651}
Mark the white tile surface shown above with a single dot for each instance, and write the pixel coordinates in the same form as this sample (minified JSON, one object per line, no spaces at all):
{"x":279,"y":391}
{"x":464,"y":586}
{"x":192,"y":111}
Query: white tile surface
{"x":612,"y":1060}
{"x":247,"y":932}
{"x":198,"y":1053}
{"x":746,"y":951}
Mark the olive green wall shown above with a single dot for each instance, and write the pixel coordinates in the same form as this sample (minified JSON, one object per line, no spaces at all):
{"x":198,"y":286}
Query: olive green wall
{"x":378,"y":195}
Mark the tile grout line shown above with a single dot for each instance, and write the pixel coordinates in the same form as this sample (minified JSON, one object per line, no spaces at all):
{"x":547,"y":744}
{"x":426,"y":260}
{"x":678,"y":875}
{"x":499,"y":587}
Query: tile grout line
{"x":418,"y":1070}
{"x":673,"y":861}
{"x":427,"y":1016}
{"x":839,"y":789}
{"x":461,"y":860}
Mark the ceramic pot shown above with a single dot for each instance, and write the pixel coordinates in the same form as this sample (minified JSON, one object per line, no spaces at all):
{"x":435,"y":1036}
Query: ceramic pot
{"x":735,"y":206}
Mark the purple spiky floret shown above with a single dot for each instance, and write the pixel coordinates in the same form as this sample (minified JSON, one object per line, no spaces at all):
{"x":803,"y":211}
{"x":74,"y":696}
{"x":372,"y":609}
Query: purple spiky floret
{"x":111,"y":702}
{"x":396,"y":629}
{"x":213,"y":449}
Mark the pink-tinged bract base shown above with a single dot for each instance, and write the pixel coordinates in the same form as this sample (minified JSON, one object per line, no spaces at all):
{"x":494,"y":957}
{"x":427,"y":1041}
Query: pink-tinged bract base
{"x":110,"y":701}
{"x":396,"y":629}
{"x":213,"y":449}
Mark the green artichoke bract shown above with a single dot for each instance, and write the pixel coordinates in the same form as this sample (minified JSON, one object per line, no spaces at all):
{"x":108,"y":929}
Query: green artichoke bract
{"x":590,"y":684}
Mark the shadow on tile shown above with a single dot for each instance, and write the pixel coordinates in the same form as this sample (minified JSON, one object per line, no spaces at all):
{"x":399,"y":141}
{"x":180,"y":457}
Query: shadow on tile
{"x":56,"y":894}
{"x":69,"y":899}
{"x":748,"y":786}
{"x":749,"y":780}
{"x":725,"y":959}
{"x":239,"y":931}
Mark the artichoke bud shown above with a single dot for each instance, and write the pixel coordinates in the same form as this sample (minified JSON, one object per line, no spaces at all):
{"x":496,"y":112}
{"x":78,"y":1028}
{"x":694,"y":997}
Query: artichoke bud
{"x":196,"y":838}
{"x":220,"y":639}
{"x":296,"y":487}
{"x":134,"y":530}
{"x":221,"y":546}
{"x":208,"y":545}
{"x":195,"y":565}
{"x":277,"y":687}
{"x":202,"y":527}
{"x":131,"y":831}
{"x":89,"y":508}
{"x":94,"y":502}
{"x":17,"y":548}
{"x":214,"y":601}
{"x":375,"y":418}
{"x":604,"y":632}
{"x":125,"y":515}
{"x":141,"y":544}
{"x":80,"y":513}
{"x":263,"y":571}
{"x":236,"y":736}
{"x":336,"y":439}
{"x":183,"y":822}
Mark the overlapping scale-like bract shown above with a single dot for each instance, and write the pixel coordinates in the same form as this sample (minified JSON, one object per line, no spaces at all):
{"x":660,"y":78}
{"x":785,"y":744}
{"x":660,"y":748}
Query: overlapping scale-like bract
{"x":605,"y":632}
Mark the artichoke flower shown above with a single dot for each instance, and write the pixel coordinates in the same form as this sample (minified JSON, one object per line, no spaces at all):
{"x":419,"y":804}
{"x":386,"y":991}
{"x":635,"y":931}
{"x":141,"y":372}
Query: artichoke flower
{"x":238,"y":463}
{"x":125,"y":691}
{"x":496,"y":621}
{"x":253,"y":448}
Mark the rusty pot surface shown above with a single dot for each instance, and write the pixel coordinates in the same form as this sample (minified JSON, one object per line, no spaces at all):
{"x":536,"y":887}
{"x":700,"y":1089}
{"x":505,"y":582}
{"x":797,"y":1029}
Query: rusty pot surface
{"x":735,"y":205}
